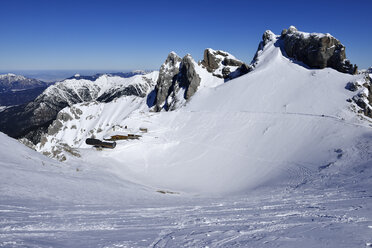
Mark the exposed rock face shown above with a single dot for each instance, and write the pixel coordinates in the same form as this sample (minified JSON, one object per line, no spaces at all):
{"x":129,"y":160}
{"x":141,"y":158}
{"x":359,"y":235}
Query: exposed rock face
{"x":167,"y":78}
{"x":223,"y":64}
{"x":210,"y":61}
{"x":176,"y":74}
{"x":32,"y":120}
{"x":188,"y":77}
{"x":363,"y":97}
{"x":316,"y":50}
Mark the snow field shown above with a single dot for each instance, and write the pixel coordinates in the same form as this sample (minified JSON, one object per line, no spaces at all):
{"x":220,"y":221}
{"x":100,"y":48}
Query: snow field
{"x":274,"y":158}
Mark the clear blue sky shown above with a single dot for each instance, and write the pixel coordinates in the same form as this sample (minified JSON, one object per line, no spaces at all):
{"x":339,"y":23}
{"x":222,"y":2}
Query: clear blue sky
{"x":125,"y":35}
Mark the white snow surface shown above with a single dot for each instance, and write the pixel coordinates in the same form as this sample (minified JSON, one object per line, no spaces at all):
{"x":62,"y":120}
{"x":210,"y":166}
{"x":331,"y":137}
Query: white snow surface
{"x":274,"y":158}
{"x":306,"y":35}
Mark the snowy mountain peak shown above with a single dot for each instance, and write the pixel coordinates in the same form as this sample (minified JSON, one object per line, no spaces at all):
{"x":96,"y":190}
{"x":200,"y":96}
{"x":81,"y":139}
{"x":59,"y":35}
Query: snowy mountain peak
{"x":12,"y":77}
{"x":172,"y":58}
{"x":9,"y":75}
{"x":173,"y":54}
{"x":292,"y":30}
{"x":268,"y":36}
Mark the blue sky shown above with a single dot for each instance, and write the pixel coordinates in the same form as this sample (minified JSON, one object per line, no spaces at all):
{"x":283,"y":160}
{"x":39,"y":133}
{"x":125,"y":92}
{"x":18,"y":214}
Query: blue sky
{"x":126,"y":35}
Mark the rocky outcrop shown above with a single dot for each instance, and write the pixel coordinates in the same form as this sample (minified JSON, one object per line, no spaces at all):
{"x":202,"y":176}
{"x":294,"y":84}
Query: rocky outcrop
{"x":168,"y":76}
{"x":210,"y":60}
{"x":223,"y":65}
{"x":363,"y":97}
{"x":176,"y":74}
{"x":188,"y":77}
{"x":316,"y":50}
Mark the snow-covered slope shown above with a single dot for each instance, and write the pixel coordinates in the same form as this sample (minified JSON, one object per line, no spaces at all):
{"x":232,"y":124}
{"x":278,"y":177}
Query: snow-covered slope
{"x":266,"y":126}
{"x":28,"y":175}
{"x":282,"y":144}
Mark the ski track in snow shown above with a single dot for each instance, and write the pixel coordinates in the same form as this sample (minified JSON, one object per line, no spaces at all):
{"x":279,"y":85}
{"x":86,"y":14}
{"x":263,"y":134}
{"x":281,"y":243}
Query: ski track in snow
{"x":286,"y":219}
{"x":335,"y":118}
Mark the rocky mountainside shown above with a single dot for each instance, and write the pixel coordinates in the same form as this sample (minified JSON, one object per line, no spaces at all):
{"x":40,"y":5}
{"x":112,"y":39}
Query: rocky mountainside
{"x":16,"y":89}
{"x":32,"y":120}
{"x":363,"y":93}
{"x":18,"y":97}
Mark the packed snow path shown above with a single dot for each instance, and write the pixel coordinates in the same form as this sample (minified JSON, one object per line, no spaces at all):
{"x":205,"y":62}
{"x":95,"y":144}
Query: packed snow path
{"x":286,"y":219}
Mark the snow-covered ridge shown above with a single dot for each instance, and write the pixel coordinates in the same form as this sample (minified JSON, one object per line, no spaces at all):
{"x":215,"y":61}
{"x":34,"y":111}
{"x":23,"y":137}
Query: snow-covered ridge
{"x":80,"y":90}
{"x":231,"y":137}
{"x":11,"y":75}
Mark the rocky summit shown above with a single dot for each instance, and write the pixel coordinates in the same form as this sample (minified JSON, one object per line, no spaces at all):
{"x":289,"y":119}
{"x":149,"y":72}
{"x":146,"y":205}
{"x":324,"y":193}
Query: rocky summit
{"x":179,"y":79}
{"x":224,"y":65}
{"x":167,"y":77}
{"x":176,"y":75}
{"x":316,"y":50}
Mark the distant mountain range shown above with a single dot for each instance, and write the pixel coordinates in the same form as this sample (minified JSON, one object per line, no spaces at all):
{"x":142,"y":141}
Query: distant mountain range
{"x":17,"y":89}
{"x":12,"y":82}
